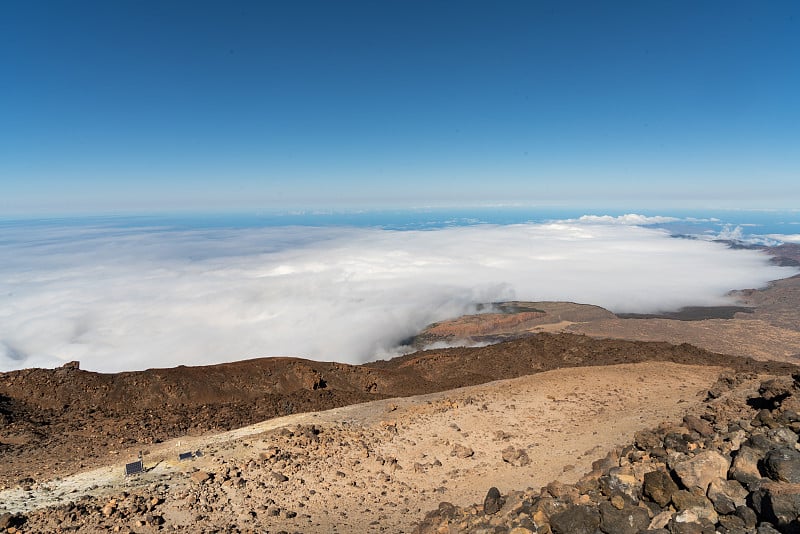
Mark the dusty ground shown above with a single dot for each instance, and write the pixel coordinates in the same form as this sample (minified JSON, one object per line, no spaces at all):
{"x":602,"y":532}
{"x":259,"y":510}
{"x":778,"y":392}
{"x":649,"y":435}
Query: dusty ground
{"x":379,"y":466}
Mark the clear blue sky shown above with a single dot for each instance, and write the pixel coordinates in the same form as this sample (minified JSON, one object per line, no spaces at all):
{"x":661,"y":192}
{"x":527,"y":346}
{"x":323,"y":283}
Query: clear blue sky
{"x":138,"y":106}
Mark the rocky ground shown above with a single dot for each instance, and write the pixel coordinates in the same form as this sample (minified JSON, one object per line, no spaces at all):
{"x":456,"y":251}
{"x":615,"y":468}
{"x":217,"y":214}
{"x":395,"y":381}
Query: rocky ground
{"x":764,"y":325}
{"x":374,"y":467}
{"x":734,"y":467}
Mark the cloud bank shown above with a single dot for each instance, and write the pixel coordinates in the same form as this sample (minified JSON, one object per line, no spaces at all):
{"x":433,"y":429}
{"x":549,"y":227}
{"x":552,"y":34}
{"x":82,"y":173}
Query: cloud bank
{"x":134,"y":298}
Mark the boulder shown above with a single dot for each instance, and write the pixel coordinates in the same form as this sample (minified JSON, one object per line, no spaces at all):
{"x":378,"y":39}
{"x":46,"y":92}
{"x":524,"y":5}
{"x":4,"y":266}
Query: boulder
{"x":647,"y":439}
{"x":732,"y":523}
{"x":726,"y":495}
{"x":697,"y":473}
{"x":576,"y":519}
{"x":659,"y":487}
{"x":782,"y":465}
{"x":698,"y":507}
{"x":779,"y":504}
{"x":628,"y":520}
{"x":745,"y":465}
{"x":748,"y":516}
{"x":619,"y":482}
{"x":775,"y":390}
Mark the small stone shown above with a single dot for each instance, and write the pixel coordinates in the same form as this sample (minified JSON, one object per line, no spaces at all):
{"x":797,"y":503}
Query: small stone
{"x":618,"y":502}
{"x":278,"y":477}
{"x":200,"y":476}
{"x":515,"y":457}
{"x":461,"y":451}
{"x":661,"y":520}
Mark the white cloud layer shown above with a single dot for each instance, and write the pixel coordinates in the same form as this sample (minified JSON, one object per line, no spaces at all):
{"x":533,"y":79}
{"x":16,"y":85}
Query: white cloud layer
{"x":138,"y":298}
{"x":631,"y":219}
{"x":785,"y":238}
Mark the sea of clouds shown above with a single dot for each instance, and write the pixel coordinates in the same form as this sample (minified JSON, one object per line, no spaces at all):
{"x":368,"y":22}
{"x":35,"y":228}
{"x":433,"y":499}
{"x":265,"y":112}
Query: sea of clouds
{"x":135,"y":298}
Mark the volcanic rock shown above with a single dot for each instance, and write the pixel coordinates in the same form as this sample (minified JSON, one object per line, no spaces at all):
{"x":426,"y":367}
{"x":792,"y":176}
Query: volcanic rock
{"x":783,"y":465}
{"x":697,"y":473}
{"x":493,"y":501}
{"x":659,"y":486}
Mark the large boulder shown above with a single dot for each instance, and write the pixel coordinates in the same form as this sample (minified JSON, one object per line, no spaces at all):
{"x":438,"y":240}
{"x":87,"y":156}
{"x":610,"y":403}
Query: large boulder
{"x":726,"y":495}
{"x":659,"y":487}
{"x":697,"y":472}
{"x":745,"y":465}
{"x":629,"y":520}
{"x":779,"y":504}
{"x":782,"y":465}
{"x":576,"y":519}
{"x":696,"y":507}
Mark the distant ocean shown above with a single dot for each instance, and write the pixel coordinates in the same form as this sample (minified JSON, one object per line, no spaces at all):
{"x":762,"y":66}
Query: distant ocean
{"x":769,"y":227}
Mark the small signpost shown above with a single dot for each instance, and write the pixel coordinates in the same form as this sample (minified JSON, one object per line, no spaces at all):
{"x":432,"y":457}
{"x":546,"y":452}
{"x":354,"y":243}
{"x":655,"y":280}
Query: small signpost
{"x":134,"y":468}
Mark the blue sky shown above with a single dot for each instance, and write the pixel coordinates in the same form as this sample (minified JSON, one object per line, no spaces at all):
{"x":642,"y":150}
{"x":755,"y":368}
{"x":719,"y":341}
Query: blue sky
{"x":156,"y":106}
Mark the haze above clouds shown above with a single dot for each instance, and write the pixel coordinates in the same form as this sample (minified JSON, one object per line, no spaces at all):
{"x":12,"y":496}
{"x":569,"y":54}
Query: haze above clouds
{"x":125,"y":299}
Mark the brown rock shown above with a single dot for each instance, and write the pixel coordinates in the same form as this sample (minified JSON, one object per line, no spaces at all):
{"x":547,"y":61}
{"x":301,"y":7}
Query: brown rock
{"x":726,"y":495}
{"x":200,"y":476}
{"x":745,"y":465}
{"x":493,"y":501}
{"x":515,"y":457}
{"x":627,"y":520}
{"x":461,"y":451}
{"x":659,"y":486}
{"x":698,"y":425}
{"x":576,"y":519}
{"x":697,"y":473}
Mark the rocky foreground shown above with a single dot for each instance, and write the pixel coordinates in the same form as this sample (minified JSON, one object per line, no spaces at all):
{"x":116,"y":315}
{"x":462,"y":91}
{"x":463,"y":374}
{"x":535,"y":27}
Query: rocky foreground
{"x":734,"y":469}
{"x":380,"y":466}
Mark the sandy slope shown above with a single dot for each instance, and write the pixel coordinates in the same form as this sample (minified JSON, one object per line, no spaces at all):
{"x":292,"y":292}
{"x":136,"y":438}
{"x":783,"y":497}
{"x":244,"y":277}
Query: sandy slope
{"x":379,"y":466}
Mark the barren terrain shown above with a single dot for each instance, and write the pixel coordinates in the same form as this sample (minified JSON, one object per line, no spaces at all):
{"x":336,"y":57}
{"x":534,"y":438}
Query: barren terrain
{"x":762,"y":323}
